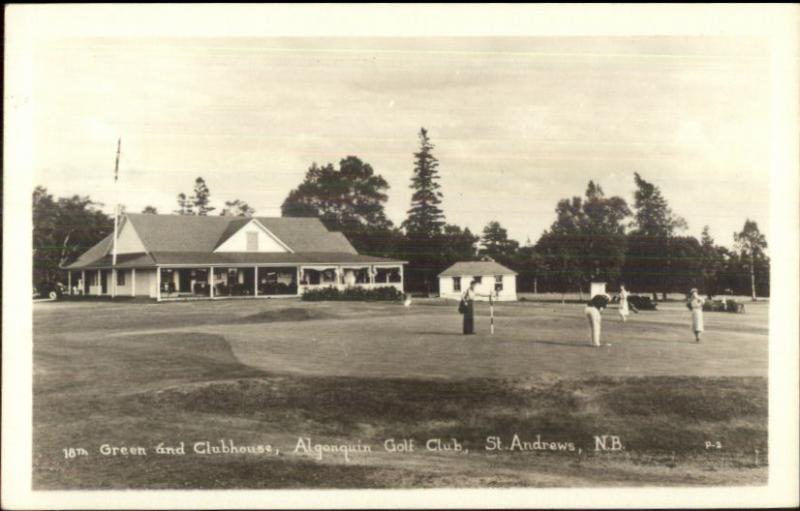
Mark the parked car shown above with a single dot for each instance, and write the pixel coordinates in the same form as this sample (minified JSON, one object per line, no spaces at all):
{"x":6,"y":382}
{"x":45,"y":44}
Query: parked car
{"x":643,"y":303}
{"x":52,"y":290}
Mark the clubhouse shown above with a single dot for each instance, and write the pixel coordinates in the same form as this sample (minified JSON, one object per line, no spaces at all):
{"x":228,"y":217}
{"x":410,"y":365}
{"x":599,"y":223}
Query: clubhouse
{"x":173,"y":257}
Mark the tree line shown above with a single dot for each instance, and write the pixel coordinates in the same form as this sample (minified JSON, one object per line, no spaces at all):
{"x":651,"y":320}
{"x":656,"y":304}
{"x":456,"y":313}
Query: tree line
{"x":594,"y":237}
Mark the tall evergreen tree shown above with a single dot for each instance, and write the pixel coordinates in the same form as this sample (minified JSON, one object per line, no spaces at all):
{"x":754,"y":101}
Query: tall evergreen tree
{"x":750,"y":244}
{"x":201,"y":198}
{"x":425,"y":218}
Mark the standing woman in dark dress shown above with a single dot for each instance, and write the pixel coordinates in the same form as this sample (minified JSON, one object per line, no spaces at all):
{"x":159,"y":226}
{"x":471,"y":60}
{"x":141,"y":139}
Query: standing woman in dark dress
{"x":468,"y":300}
{"x":468,"y":303}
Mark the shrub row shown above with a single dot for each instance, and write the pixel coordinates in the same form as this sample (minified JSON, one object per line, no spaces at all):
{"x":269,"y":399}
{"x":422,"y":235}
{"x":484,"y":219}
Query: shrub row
{"x":386,"y":293}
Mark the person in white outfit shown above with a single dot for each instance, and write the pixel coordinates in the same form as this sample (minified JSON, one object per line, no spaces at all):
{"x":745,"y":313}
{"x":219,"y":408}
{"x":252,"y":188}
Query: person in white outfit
{"x":593,"y":310}
{"x":695,"y":304}
{"x":624,"y":310}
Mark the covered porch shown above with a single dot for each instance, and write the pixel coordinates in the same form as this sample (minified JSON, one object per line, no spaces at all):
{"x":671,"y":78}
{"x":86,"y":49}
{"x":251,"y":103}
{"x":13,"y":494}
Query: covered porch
{"x":186,"y":282}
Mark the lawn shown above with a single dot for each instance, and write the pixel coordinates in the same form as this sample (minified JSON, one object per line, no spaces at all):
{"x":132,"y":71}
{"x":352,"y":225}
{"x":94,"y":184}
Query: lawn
{"x":267,"y":372}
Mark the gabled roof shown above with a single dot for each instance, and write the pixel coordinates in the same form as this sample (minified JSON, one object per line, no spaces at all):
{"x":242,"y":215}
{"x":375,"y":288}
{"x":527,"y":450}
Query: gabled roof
{"x":476,"y":268}
{"x":182,"y":235}
{"x":193,"y":233}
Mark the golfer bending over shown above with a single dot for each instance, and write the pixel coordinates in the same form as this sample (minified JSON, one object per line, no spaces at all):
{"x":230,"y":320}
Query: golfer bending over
{"x":593,"y":309}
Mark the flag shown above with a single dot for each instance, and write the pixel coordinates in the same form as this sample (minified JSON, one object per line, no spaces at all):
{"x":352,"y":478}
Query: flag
{"x":116,"y":165}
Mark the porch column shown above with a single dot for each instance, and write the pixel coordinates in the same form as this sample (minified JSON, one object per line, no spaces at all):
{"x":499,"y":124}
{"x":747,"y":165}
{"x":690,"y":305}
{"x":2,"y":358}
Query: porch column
{"x":133,"y":282}
{"x":69,"y":282}
{"x":402,"y":280}
{"x":211,"y":281}
{"x":299,"y":274}
{"x":83,"y":282}
{"x":372,"y":276}
{"x":100,"y":282}
{"x":255,"y":280}
{"x":158,"y":283}
{"x":113,"y":282}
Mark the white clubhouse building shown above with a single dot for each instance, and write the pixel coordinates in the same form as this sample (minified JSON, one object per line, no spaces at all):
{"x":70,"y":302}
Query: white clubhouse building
{"x":168,"y":257}
{"x":491,"y":277}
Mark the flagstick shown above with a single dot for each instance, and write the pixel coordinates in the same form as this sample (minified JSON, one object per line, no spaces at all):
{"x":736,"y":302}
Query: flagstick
{"x":116,"y":224}
{"x":491,"y":314}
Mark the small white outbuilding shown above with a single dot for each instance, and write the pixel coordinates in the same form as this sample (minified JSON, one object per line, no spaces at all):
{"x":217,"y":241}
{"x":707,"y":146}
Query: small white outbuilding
{"x":491,"y":277}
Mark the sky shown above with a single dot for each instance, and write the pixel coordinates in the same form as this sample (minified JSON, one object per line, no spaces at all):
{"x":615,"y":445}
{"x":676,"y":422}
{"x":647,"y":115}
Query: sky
{"x":517,"y":123}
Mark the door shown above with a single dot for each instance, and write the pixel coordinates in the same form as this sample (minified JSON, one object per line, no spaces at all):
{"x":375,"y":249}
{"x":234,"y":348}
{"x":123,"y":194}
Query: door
{"x":103,"y":282}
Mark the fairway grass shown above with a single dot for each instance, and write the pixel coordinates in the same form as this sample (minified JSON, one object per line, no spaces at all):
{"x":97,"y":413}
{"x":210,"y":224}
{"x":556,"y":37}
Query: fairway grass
{"x":262,"y":373}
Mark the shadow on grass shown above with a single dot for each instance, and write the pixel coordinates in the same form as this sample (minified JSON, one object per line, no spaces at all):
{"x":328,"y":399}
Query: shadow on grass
{"x":152,"y":387}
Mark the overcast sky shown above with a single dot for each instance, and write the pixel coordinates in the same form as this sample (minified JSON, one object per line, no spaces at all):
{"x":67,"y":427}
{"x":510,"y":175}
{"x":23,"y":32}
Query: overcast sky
{"x":517,"y":123}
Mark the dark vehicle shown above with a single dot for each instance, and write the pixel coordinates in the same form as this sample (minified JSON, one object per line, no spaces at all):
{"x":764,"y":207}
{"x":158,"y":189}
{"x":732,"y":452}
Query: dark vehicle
{"x":52,"y":290}
{"x":643,"y":303}
{"x":725,"y":305}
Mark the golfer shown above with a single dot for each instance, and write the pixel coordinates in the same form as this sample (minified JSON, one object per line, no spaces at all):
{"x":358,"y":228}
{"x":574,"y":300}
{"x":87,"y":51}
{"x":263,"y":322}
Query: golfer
{"x":594,"y":308}
{"x":695,"y":304}
{"x":624,"y":307}
{"x":468,"y":300}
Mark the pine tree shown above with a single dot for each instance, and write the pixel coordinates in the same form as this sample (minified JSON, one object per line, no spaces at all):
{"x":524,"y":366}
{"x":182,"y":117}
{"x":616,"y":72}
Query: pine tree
{"x":185,"y":206}
{"x":200,"y":199}
{"x":425,"y":218}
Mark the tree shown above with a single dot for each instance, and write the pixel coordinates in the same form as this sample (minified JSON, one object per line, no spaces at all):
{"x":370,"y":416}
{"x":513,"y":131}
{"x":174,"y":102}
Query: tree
{"x":654,"y":224}
{"x":587,"y":240}
{"x":713,"y":262}
{"x":457,"y":244}
{"x":750,"y":244}
{"x":425,"y":218}
{"x":185,"y":206}
{"x":349,"y":199}
{"x":531,"y":268}
{"x":62,"y":230}
{"x":653,"y":216}
{"x":150,"y":210}
{"x":496,"y":244}
{"x":201,"y":198}
{"x":424,"y":244}
{"x":237,"y":208}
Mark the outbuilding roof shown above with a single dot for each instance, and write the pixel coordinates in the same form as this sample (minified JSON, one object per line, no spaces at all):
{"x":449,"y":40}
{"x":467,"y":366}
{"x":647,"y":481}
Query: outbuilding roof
{"x":191,"y":239}
{"x":476,"y":268}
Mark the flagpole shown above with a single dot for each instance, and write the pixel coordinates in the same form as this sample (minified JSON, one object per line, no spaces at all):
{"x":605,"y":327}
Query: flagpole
{"x":116,"y":224}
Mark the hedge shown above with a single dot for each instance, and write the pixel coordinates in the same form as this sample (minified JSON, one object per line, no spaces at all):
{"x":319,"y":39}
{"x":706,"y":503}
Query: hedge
{"x":385,"y":293}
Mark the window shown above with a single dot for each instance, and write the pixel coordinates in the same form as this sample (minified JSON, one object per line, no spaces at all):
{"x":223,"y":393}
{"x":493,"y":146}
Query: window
{"x":252,"y":242}
{"x":498,"y":283}
{"x":120,"y":277}
{"x":477,"y":279}
{"x":387,"y":275}
{"x":456,"y":283}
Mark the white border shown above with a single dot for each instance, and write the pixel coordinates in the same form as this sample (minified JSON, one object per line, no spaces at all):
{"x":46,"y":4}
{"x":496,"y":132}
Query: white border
{"x":25,"y":25}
